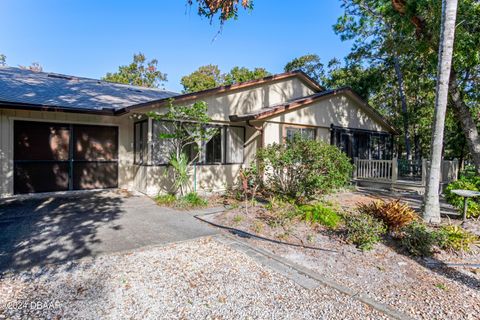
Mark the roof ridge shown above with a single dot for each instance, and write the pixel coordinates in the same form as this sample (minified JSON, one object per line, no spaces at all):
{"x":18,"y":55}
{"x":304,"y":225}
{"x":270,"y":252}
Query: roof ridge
{"x":59,"y":75}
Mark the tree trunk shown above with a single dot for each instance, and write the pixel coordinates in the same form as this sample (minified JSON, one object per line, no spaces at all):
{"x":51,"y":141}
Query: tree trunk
{"x":403,"y":100}
{"x":431,"y":210}
{"x":466,"y":120}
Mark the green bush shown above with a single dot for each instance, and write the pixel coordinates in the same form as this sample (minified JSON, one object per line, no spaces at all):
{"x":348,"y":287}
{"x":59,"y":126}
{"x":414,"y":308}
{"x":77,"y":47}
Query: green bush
{"x":418,"y":240}
{"x":166,"y":199}
{"x":300,"y":169}
{"x":192,"y":200}
{"x":465,"y":183}
{"x":364,"y":231}
{"x":455,"y":238}
{"x":320,"y":214}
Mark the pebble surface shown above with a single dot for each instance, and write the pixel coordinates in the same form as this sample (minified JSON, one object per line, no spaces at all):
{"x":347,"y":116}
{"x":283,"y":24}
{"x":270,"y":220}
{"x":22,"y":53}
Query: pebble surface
{"x":198,"y":279}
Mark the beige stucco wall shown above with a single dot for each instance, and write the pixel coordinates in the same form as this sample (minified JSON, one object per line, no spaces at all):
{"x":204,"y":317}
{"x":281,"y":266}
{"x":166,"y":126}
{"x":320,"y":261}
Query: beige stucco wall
{"x":340,"y":110}
{"x":153,"y":180}
{"x":240,"y":101}
{"x":146,"y":179}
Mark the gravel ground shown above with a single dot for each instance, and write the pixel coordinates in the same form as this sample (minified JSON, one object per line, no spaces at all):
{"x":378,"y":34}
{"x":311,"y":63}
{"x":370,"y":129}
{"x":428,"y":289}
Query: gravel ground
{"x":385,"y":274}
{"x":394,"y":279}
{"x":198,"y":279}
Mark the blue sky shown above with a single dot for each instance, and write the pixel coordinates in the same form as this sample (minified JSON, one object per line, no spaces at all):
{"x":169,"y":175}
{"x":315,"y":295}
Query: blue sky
{"x":91,"y":37}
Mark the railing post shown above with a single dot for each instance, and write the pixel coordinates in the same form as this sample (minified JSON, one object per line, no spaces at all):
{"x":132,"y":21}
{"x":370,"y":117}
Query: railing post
{"x":394,"y":169}
{"x":355,"y":168}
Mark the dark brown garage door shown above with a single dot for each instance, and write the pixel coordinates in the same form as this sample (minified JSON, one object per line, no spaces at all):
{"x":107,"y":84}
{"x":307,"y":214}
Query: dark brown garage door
{"x":60,"y":157}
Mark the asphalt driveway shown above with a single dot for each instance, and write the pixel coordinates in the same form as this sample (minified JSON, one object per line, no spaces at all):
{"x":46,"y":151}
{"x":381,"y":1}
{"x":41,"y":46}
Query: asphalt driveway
{"x":57,"y":229}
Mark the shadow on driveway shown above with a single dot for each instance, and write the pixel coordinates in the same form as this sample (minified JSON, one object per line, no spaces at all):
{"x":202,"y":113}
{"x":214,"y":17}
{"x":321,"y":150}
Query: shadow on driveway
{"x":36,"y":232}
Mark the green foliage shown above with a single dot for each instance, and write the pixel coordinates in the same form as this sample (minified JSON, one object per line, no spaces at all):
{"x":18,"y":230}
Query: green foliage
{"x":187,"y":127}
{"x":138,"y":73}
{"x":464,"y":183}
{"x":364,"y":230}
{"x":224,"y":10}
{"x":3,"y":59}
{"x":300,"y":169}
{"x":210,"y":76}
{"x":310,"y":64}
{"x":192,"y":200}
{"x":321,"y":214}
{"x":281,"y":212}
{"x":166,"y":199}
{"x":394,"y":214}
{"x":418,"y":240}
{"x":455,"y":238}
{"x":242,"y":74}
{"x":205,"y":77}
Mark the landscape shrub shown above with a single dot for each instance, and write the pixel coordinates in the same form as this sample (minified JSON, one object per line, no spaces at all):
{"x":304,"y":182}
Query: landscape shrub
{"x":465,"y":183}
{"x":364,"y":231}
{"x":192,"y":200}
{"x":455,"y":238}
{"x":166,"y":199}
{"x":418,"y":240}
{"x":300,"y":169}
{"x":394,"y":214}
{"x":321,"y":214}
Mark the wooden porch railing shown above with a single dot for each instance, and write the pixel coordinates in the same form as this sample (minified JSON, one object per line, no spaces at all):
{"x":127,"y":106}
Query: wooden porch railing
{"x":387,"y":170}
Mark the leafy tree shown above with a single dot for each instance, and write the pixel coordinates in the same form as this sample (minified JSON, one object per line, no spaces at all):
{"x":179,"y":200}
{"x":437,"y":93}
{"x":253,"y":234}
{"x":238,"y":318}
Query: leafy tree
{"x":210,"y":76}
{"x":186,"y":131}
{"x":3,"y":59}
{"x":140,"y":72}
{"x":310,"y":64}
{"x":223,"y":9}
{"x":205,"y":77}
{"x":242,"y":74}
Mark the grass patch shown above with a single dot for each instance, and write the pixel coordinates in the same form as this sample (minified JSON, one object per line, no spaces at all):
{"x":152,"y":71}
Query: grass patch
{"x":166,"y":200}
{"x":192,"y":200}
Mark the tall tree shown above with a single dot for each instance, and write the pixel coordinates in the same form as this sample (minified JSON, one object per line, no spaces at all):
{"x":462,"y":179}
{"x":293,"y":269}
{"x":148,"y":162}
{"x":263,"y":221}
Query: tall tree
{"x":242,"y":74}
{"x":310,"y":64}
{"x":3,"y":59}
{"x":210,"y":76}
{"x":205,"y":77}
{"x":140,"y":72}
{"x":431,"y":212}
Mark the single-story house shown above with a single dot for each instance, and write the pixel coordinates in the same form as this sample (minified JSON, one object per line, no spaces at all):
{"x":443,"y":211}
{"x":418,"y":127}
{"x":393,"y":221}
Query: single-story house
{"x":61,"y":133}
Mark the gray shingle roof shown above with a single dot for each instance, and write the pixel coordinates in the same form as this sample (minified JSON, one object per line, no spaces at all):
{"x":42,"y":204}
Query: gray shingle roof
{"x":57,"y":90}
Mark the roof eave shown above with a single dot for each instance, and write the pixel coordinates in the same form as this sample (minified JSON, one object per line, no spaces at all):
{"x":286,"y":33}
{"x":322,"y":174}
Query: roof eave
{"x":50,"y":108}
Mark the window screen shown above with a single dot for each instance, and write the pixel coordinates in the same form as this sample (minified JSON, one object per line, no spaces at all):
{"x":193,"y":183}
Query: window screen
{"x":141,"y":142}
{"x":304,"y":133}
{"x":161,"y":145}
{"x":234,"y":144}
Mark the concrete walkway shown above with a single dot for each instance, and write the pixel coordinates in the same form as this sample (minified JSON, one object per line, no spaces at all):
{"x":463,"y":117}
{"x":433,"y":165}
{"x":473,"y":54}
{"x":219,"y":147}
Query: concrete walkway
{"x":58,"y":229}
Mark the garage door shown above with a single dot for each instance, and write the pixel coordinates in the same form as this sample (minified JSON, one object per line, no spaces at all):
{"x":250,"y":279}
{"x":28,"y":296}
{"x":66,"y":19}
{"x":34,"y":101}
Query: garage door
{"x":61,"y":157}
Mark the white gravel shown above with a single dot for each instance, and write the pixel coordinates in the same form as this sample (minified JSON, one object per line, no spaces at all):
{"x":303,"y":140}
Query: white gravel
{"x":199,"y":279}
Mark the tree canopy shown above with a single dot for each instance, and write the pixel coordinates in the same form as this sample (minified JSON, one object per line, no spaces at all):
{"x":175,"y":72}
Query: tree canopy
{"x":210,"y":76}
{"x":139,"y":72}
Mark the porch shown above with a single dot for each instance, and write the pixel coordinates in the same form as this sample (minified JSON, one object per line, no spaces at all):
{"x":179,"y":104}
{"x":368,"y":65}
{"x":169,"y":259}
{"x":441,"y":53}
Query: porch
{"x":400,"y":174}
